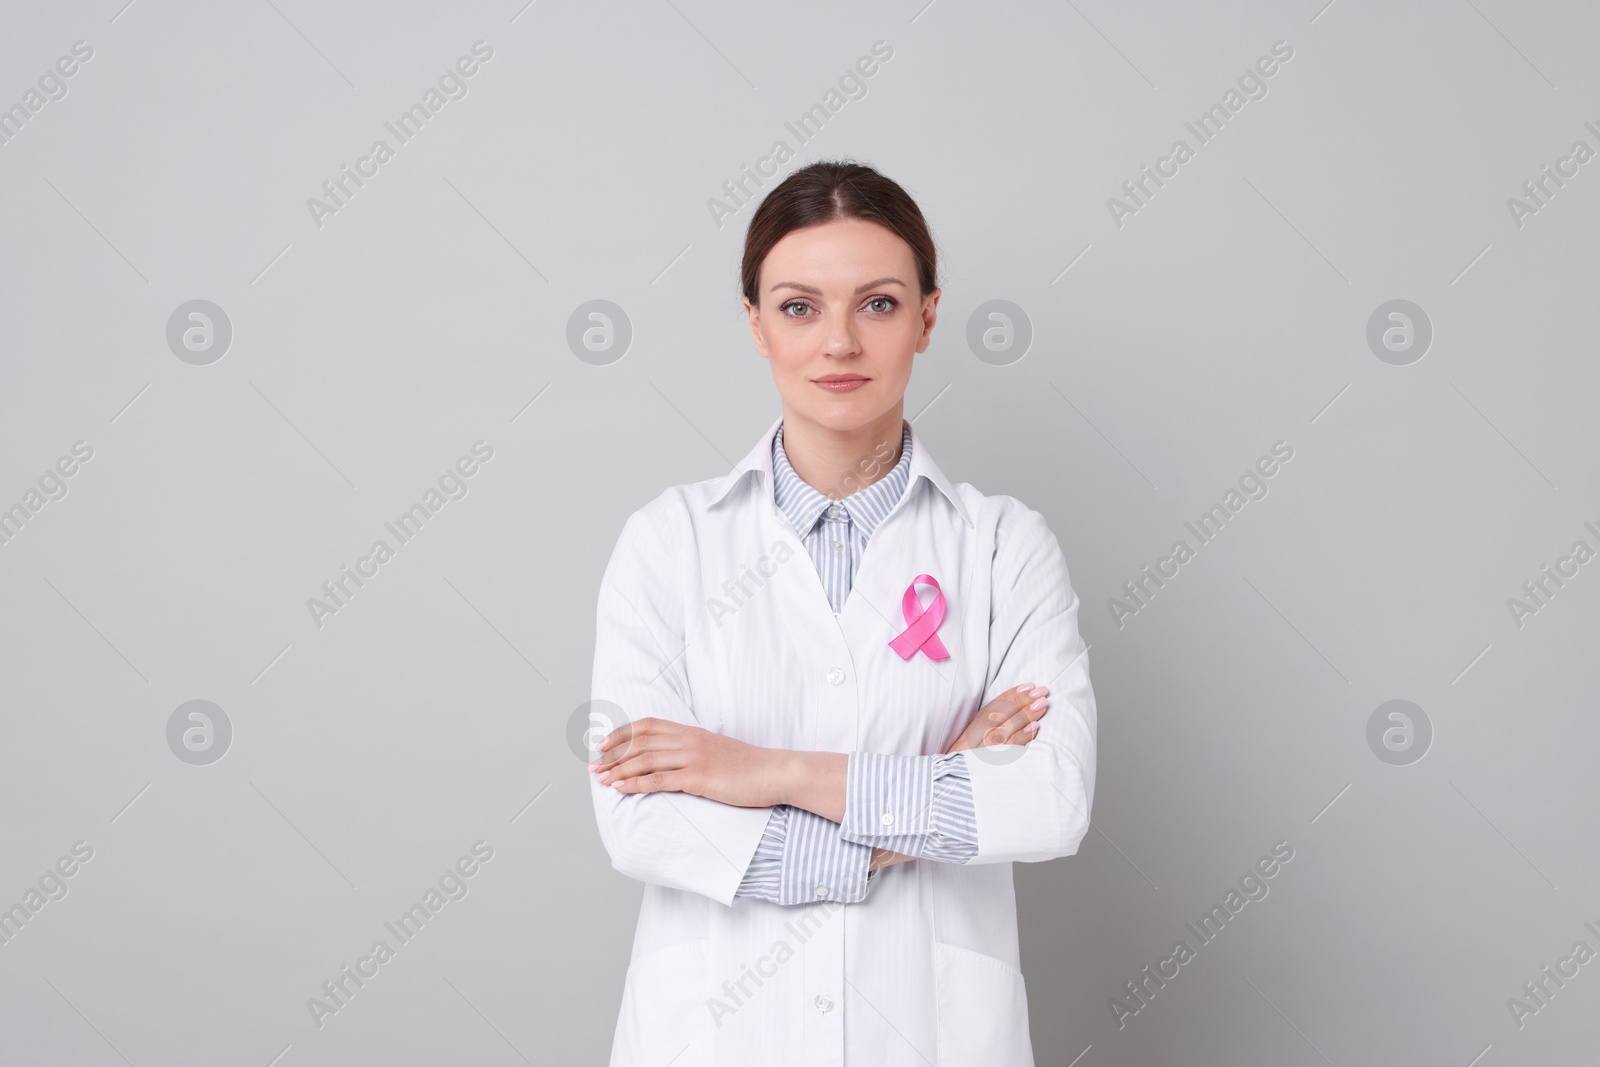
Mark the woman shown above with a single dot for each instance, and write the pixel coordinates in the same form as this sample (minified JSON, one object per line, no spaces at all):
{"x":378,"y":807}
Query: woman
{"x":812,"y":657}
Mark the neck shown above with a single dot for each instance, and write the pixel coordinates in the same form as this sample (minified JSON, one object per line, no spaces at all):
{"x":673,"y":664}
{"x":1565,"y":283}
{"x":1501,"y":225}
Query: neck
{"x":837,"y":463}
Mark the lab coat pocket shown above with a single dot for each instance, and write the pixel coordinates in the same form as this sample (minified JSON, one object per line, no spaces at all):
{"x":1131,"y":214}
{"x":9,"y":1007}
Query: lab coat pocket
{"x":981,"y":1008}
{"x":663,"y":1015}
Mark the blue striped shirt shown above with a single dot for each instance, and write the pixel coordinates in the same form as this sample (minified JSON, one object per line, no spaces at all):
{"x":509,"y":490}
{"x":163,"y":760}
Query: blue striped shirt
{"x":803,"y":857}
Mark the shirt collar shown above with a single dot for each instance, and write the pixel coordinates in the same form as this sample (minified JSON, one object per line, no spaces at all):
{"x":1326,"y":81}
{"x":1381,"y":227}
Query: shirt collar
{"x":758,"y":461}
{"x":802,"y":503}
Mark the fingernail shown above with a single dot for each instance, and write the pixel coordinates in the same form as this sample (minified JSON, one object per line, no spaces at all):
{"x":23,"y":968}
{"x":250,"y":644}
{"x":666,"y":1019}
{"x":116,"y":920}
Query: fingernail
{"x":1038,"y":691}
{"x":1037,"y":704}
{"x":1031,"y":727}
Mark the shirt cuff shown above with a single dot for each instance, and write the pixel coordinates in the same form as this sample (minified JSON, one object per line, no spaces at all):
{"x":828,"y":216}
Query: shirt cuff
{"x":762,"y":876}
{"x":916,"y":805}
{"x":820,"y":864}
{"x":802,"y":859}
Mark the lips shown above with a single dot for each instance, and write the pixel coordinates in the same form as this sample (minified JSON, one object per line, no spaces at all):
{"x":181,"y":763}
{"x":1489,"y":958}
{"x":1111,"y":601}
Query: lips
{"x":841,"y":383}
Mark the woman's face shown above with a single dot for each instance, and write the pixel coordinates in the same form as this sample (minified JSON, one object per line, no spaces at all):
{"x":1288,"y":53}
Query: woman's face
{"x":840,"y":298}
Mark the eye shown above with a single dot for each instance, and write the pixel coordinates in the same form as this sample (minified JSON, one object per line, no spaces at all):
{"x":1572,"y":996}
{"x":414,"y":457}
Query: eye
{"x":793,"y":304}
{"x":889,"y":300}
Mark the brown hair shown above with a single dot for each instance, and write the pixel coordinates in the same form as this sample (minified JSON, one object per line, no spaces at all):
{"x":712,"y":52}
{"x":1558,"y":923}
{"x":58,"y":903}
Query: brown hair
{"x":836,"y":189}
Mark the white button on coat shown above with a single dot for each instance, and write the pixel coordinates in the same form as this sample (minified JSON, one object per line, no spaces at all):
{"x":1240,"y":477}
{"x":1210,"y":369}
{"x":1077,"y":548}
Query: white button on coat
{"x":925,"y":969}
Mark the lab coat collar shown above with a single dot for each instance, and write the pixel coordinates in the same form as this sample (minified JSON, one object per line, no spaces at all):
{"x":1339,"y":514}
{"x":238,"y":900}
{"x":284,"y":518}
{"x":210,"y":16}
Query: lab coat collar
{"x":759,"y":461}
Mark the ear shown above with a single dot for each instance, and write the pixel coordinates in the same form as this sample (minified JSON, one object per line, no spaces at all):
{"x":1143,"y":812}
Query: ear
{"x":930,"y":315}
{"x":753,"y":314}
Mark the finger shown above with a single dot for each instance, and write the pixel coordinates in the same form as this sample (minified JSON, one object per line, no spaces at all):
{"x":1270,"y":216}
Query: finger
{"x":659,"y":782}
{"x":631,"y":757}
{"x":637,"y":728}
{"x":1019,"y":728}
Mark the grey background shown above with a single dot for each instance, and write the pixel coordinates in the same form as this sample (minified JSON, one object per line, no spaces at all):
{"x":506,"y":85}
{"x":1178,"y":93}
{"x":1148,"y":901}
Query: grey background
{"x":431,"y":312}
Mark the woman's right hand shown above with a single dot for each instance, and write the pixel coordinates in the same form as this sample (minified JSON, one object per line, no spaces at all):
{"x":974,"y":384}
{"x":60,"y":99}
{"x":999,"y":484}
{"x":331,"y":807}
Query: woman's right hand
{"x":1009,"y":719}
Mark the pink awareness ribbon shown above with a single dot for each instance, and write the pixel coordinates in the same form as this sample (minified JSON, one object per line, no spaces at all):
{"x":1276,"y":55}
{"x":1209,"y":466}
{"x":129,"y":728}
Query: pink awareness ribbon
{"x":921,"y":622}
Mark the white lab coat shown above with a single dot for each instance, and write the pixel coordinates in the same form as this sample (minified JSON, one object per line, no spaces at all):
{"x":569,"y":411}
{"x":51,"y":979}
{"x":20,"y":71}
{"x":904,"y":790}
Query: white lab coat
{"x":926,"y":969}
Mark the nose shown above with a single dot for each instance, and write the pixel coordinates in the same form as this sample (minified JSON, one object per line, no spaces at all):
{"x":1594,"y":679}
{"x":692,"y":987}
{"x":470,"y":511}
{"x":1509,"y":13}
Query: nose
{"x":842,"y":339}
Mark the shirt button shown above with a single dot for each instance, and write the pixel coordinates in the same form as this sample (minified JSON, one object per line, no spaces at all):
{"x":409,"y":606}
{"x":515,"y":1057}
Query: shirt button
{"x":888,"y":817}
{"x":822,"y":891}
{"x":833,"y":511}
{"x":838,"y":546}
{"x":824,"y":1002}
{"x":835,"y":676}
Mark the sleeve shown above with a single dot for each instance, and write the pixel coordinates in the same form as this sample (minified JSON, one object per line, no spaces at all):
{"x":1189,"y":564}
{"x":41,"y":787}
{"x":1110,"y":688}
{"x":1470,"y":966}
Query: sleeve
{"x":1033,"y":804}
{"x":916,"y":805}
{"x":803,"y":859}
{"x":673,"y":839}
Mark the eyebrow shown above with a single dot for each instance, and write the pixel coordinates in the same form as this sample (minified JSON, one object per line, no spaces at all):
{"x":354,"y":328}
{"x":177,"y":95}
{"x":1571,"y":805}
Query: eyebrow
{"x":818,"y":292}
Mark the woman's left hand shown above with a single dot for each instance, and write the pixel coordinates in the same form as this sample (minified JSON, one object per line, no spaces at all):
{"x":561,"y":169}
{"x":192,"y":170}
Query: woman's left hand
{"x":653,"y":755}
